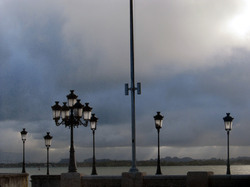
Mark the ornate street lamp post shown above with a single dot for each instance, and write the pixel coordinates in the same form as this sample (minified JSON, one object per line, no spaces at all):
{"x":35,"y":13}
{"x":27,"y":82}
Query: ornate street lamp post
{"x":23,"y":136}
{"x":71,"y":116}
{"x":228,"y":122}
{"x":48,"y":139}
{"x":158,"y":124}
{"x":93,"y":123}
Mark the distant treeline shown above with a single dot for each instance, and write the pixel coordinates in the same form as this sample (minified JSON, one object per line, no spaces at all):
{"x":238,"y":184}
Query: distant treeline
{"x":168,"y":161}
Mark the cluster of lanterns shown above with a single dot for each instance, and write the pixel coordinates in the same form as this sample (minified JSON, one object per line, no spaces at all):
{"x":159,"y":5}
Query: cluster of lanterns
{"x":72,"y":114}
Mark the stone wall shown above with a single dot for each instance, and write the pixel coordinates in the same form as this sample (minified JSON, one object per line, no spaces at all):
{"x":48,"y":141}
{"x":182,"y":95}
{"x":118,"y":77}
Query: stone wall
{"x":164,"y":180}
{"x":95,"y":180}
{"x":192,"y":179}
{"x":14,"y":179}
{"x":46,"y":180}
{"x":229,"y":180}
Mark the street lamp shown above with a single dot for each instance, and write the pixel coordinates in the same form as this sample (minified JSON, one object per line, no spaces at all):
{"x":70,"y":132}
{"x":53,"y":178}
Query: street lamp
{"x":48,"y":139}
{"x":228,"y":122}
{"x":23,"y":136}
{"x":71,"y":116}
{"x":93,"y":123}
{"x":158,"y":124}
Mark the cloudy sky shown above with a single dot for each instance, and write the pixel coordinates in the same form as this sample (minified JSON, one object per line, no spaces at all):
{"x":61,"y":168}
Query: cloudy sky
{"x":191,"y":57}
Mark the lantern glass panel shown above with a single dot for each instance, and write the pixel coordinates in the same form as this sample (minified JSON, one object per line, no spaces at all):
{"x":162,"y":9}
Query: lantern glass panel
{"x":65,"y":114}
{"x":78,"y":112}
{"x":93,"y":125}
{"x":71,"y":102}
{"x":56,"y":114}
{"x":158,"y":123}
{"x":48,"y":142}
{"x":228,"y":125}
{"x":23,"y":136}
{"x":86,"y":115}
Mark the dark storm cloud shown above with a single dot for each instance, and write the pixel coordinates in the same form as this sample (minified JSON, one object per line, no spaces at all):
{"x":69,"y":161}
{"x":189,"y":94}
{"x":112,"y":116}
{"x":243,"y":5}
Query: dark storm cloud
{"x":33,"y":44}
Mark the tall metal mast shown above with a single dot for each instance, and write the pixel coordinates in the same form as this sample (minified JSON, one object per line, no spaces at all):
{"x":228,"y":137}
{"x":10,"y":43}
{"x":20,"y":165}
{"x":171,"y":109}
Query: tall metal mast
{"x":132,"y":89}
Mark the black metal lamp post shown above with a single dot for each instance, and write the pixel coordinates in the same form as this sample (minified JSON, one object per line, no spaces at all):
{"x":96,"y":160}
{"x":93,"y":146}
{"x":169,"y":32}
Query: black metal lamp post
{"x":93,"y":123}
{"x":23,"y":136}
{"x":228,"y":122}
{"x":71,"y":116}
{"x":158,"y":124}
{"x":132,"y":88}
{"x":48,"y":139}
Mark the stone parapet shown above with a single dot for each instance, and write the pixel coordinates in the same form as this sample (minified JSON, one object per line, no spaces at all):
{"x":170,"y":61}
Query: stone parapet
{"x":164,"y":181}
{"x":98,"y":181}
{"x":192,"y":179}
{"x":132,"y":179}
{"x":229,"y":180}
{"x":71,"y":179}
{"x":14,"y":179}
{"x":46,"y":180}
{"x":198,"y":179}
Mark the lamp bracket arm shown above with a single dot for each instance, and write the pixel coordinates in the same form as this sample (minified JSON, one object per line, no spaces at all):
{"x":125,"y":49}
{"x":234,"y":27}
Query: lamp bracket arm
{"x":85,"y":124}
{"x":59,"y":123}
{"x":138,"y":88}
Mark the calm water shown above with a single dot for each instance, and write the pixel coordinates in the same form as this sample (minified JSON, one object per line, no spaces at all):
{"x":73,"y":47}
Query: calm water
{"x":150,"y":170}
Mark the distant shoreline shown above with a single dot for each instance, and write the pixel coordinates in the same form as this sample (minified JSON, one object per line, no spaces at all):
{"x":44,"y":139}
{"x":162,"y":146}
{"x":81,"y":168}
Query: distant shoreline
{"x":167,"y":161}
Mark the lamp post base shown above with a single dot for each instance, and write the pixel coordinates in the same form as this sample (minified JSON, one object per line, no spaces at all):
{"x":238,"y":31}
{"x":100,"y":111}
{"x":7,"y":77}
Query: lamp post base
{"x":132,"y":179}
{"x":228,"y":171}
{"x":158,"y":171}
{"x":133,"y":170}
{"x":93,"y":172}
{"x":70,"y":179}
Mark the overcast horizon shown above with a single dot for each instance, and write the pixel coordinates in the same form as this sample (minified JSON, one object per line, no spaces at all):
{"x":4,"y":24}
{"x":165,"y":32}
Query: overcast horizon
{"x":191,"y":57}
